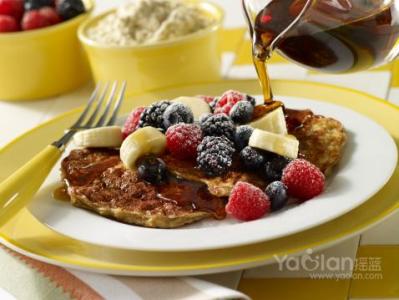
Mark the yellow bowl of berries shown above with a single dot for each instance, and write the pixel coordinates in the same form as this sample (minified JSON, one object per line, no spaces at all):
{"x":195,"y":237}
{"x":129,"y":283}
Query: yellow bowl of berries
{"x":40,"y":55}
{"x":155,"y":44}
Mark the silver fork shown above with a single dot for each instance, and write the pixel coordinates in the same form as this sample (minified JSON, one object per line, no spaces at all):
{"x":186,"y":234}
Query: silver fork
{"x":20,"y":187}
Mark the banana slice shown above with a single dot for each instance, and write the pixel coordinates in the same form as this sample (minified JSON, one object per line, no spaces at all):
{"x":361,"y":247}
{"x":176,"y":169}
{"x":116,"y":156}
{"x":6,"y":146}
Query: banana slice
{"x":284,"y":145}
{"x":197,"y":105}
{"x":141,"y":142}
{"x":274,"y":121}
{"x":102,"y":137}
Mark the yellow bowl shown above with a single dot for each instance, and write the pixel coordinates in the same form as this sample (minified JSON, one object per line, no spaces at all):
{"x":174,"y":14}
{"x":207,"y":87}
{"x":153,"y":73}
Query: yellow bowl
{"x":43,"y":62}
{"x":189,"y":59}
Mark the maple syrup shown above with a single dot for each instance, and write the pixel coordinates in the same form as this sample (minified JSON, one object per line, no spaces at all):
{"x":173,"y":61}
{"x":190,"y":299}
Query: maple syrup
{"x":60,"y":193}
{"x":83,"y":167}
{"x":191,"y":195}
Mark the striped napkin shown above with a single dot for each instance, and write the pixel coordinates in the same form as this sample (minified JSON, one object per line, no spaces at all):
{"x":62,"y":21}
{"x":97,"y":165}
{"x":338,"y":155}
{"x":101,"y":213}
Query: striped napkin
{"x":25,"y":278}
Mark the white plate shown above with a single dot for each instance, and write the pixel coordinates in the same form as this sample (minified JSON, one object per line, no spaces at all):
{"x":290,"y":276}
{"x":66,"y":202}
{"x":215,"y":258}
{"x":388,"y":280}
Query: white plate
{"x":369,"y":161}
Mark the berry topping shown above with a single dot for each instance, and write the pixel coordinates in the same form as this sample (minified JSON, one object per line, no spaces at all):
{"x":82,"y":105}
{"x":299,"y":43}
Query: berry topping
{"x":39,"y":18}
{"x":303,"y":179}
{"x":132,"y":122}
{"x":36,"y":4}
{"x":152,"y":170}
{"x":225,"y":103}
{"x":12,"y":8}
{"x":247,"y":202}
{"x":68,"y":9}
{"x":241,"y":136}
{"x":217,"y":125}
{"x":183,"y":139}
{"x":274,"y":167}
{"x":8,"y":24}
{"x":241,"y":112}
{"x":277,"y":193}
{"x":153,"y":115}
{"x":251,"y":158}
{"x":215,"y":155}
{"x":177,"y":113}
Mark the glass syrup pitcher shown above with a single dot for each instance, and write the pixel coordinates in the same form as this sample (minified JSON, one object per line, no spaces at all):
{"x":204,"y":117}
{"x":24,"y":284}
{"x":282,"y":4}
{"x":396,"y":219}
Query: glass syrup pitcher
{"x":335,"y":36}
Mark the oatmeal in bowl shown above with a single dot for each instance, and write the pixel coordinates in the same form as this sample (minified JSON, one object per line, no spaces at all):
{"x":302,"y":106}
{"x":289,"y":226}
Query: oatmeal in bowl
{"x":155,"y":43}
{"x":149,"y":21}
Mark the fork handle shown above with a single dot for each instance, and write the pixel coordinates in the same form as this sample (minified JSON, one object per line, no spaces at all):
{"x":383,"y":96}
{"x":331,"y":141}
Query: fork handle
{"x":19,"y":188}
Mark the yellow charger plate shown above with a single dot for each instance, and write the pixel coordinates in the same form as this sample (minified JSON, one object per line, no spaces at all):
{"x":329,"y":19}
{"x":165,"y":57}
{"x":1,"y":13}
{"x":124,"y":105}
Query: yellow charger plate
{"x":27,"y":236}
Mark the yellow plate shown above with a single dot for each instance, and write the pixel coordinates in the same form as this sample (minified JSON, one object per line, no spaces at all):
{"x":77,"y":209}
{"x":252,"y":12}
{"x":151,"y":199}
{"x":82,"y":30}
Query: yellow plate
{"x":28,"y":236}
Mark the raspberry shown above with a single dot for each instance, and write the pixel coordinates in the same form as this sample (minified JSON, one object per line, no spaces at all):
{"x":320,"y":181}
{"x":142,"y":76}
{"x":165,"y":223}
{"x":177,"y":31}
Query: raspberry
{"x":215,"y":155}
{"x":247,"y":202}
{"x":39,"y":18}
{"x":132,"y":121}
{"x":226,"y":102}
{"x":8,"y":24}
{"x":50,"y":14}
{"x":303,"y":179}
{"x":177,"y":113}
{"x":12,"y":8}
{"x":252,"y":159}
{"x":217,"y":125}
{"x":153,"y":115}
{"x":183,"y":139}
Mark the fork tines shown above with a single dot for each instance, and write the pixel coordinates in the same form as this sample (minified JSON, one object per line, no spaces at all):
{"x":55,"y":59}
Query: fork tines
{"x":98,"y":110}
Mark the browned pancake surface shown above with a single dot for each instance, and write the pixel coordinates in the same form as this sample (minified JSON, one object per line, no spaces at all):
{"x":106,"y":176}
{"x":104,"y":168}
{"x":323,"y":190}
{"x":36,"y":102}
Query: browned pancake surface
{"x":321,"y":139}
{"x":98,"y":181}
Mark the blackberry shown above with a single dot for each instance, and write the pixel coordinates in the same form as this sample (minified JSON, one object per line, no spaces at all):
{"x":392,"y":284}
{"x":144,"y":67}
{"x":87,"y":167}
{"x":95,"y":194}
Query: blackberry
{"x":152,"y":170}
{"x":68,"y":9}
{"x":36,"y":4}
{"x":251,"y":158}
{"x":241,"y":136}
{"x":277,"y":193}
{"x":274,"y":167}
{"x":215,"y":155}
{"x":217,"y":125}
{"x":242,"y":112}
{"x":177,"y":113}
{"x":153,"y":115}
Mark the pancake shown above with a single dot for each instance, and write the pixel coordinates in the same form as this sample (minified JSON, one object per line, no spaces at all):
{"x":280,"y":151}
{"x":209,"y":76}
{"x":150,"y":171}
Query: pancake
{"x":97,"y":180}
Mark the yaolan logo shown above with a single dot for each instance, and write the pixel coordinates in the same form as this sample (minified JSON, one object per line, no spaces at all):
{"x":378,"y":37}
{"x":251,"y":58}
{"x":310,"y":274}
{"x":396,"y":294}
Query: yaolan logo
{"x":310,"y":263}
